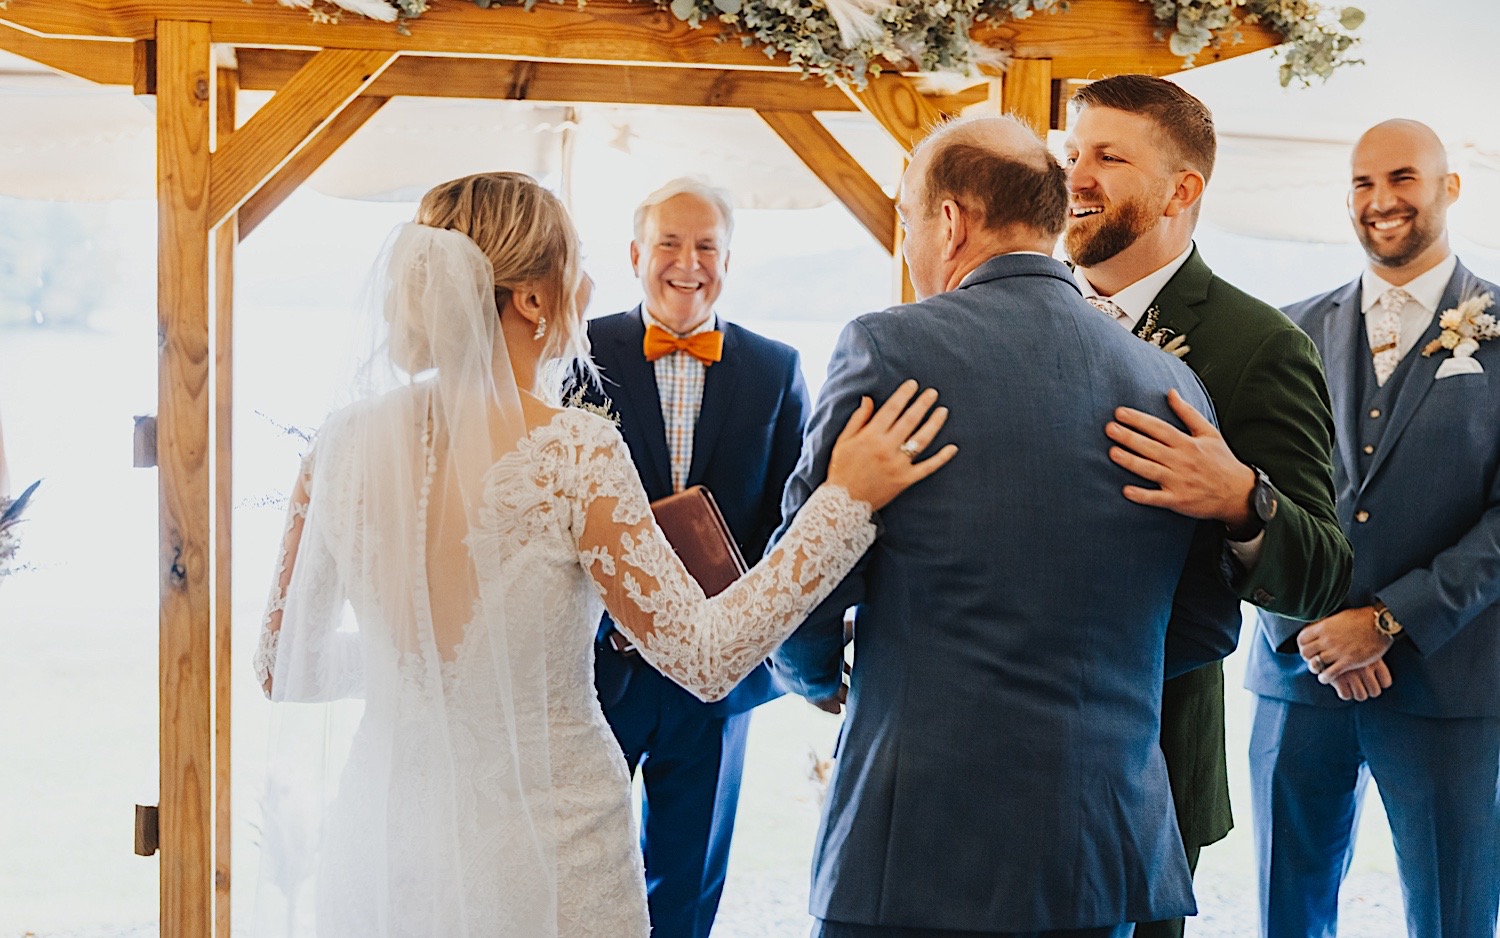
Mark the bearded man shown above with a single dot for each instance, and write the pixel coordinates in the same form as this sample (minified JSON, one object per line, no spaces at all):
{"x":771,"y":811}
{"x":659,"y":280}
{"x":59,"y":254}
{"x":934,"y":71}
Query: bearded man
{"x":1408,"y":344}
{"x":1139,"y":153}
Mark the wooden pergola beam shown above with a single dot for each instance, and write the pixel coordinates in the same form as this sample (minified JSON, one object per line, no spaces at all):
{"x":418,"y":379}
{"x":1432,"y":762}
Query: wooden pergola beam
{"x":108,"y":63}
{"x":839,"y":171}
{"x":184,"y":109}
{"x":1026,"y":92}
{"x":317,"y":93}
{"x":581,"y":83}
{"x":1116,"y":36}
{"x":899,"y":107}
{"x":306,"y":161}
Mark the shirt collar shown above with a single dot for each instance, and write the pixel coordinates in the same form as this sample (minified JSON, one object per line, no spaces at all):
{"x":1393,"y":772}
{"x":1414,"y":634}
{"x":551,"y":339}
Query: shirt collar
{"x":708,"y":325}
{"x":1426,"y":289}
{"x":1135,"y":299}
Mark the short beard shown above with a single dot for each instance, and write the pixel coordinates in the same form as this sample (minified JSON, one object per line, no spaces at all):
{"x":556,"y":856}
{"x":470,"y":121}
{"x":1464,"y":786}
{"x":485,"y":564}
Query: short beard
{"x":1425,"y":229}
{"x":1126,"y":223}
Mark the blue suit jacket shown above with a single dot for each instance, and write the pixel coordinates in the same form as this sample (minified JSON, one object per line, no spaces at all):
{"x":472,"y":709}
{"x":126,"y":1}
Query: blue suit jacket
{"x":745,"y":444}
{"x":1430,"y":545}
{"x":998,"y":768}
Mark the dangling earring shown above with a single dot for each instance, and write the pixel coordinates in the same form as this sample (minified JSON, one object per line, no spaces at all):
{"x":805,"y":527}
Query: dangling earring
{"x":541,"y":328}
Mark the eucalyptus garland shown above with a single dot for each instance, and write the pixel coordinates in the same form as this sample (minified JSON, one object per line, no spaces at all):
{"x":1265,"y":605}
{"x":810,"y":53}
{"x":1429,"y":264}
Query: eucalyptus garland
{"x":849,"y":40}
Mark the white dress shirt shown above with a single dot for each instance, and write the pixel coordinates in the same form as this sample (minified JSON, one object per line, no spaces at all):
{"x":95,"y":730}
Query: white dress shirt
{"x":1133,"y":301}
{"x":680,"y":379}
{"x":1426,"y":292}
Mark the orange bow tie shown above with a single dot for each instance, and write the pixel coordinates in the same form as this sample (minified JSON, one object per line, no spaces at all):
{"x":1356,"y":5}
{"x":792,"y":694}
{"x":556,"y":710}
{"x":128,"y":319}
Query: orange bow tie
{"x":707,"y":347}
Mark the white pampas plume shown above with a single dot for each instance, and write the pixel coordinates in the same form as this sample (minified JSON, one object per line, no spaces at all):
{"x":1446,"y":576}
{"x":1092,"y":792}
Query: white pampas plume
{"x":374,"y":9}
{"x":858,"y":20}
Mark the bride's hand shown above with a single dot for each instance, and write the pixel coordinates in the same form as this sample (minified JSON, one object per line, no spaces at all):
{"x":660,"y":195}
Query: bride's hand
{"x":875,"y":458}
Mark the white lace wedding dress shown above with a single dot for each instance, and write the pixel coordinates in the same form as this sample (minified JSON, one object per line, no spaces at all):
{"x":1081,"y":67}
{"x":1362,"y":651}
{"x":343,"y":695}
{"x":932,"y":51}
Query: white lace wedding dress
{"x":565,"y":530}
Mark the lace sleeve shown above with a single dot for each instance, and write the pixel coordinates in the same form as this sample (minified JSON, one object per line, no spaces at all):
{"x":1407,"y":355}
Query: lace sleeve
{"x":291,"y":540}
{"x":706,"y":645}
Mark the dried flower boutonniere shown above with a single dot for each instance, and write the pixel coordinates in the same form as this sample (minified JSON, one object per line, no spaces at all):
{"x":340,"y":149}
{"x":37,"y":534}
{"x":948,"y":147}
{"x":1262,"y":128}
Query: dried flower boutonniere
{"x":11,"y":511}
{"x":1464,"y":327}
{"x":1168,"y":340}
{"x":605,"y":410}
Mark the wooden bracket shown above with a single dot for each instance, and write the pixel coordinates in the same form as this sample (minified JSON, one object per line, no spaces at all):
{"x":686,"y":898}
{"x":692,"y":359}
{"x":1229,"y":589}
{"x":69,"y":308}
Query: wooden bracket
{"x":899,"y":107}
{"x":1027,"y":93}
{"x":316,"y":94}
{"x":839,"y":171}
{"x":147,"y":830}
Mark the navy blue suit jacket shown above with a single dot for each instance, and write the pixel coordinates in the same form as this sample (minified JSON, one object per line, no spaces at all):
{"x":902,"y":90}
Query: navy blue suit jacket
{"x":1429,"y":542}
{"x":999,"y":766}
{"x":745,"y":444}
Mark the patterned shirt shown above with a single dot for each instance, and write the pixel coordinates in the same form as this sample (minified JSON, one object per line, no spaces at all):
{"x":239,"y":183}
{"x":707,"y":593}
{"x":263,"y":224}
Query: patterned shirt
{"x":679,"y":382}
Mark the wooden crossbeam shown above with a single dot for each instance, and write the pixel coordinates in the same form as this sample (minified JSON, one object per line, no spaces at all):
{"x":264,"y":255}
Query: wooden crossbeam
{"x":108,"y":63}
{"x":899,"y":107}
{"x":839,"y":171}
{"x":183,"y":111}
{"x":1092,"y":40}
{"x":305,"y":162}
{"x":319,"y":91}
{"x":581,"y":83}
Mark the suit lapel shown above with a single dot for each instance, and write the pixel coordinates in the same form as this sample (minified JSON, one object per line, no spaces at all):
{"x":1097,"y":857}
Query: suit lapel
{"x":1176,"y":304}
{"x":636,"y":380}
{"x":720,"y":381}
{"x":1344,"y":348}
{"x":1420,"y":376}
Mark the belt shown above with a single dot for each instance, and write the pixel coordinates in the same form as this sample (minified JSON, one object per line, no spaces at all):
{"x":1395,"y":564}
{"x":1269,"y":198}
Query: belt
{"x":620,"y":642}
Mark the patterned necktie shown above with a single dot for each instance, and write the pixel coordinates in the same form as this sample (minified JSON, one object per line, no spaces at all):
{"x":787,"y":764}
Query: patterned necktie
{"x":1385,"y":333}
{"x":1108,"y":307}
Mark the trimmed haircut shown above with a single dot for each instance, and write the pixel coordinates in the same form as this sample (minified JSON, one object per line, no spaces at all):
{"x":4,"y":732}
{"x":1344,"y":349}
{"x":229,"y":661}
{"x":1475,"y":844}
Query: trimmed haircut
{"x":718,"y":198}
{"x":1183,"y":120}
{"x":1002,"y":190}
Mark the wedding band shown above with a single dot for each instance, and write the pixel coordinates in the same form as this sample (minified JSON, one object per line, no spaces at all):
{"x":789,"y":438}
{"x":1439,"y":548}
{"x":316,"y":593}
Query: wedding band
{"x":911,"y":449}
{"x":1316,"y":664}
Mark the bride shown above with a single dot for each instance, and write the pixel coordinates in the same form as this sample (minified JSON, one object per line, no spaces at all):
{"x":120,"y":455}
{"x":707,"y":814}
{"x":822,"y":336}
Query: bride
{"x":476,"y":532}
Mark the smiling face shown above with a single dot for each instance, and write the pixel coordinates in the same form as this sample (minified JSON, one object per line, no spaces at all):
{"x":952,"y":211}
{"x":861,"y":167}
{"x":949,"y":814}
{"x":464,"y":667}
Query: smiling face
{"x":1400,"y":190}
{"x":681,"y":260}
{"x":1118,"y":183}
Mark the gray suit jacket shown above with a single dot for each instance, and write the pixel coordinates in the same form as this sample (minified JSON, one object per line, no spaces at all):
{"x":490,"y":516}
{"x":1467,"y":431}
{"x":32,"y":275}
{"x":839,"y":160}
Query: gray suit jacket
{"x":998,"y":769}
{"x":1423,"y":518}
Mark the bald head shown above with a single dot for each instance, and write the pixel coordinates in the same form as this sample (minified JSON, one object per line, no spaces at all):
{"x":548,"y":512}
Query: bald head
{"x":1399,"y":192}
{"x":996,"y":168}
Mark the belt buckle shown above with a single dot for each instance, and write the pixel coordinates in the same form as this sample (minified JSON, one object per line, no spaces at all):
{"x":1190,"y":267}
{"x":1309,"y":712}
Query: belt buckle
{"x":620,"y":643}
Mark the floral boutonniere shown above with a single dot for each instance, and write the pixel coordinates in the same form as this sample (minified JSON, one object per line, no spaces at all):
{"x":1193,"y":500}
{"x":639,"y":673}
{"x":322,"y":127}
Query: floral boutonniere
{"x":1168,"y":340}
{"x":1464,"y":327}
{"x":605,"y":410}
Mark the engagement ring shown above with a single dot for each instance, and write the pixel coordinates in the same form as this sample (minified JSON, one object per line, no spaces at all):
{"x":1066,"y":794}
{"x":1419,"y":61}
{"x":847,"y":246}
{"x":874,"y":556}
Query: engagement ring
{"x":911,"y":449}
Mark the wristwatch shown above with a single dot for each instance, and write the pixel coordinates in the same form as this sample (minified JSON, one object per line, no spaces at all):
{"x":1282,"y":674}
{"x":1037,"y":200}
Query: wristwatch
{"x":1385,"y":623}
{"x":1263,"y":501}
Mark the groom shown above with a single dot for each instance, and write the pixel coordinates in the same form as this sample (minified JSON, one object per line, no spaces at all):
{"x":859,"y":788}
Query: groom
{"x":998,"y":772}
{"x":700,"y":401}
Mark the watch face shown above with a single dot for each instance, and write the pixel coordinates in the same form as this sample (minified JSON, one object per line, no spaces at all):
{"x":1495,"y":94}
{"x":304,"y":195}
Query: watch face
{"x":1265,"y":498}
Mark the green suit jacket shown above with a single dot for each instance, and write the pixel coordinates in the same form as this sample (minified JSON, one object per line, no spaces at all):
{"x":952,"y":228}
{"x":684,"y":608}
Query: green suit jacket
{"x":1266,"y":381}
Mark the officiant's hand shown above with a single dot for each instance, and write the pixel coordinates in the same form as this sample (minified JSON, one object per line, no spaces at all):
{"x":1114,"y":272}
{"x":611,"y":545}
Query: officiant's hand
{"x":1196,"y":472}
{"x":875,"y":458}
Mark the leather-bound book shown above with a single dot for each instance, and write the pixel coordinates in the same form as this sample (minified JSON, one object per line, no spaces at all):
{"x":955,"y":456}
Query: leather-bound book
{"x":696,"y":530}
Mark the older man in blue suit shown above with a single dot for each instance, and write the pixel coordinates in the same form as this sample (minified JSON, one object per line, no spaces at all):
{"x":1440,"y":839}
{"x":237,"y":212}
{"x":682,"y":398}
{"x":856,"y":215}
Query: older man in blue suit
{"x":998,"y":772}
{"x":700,"y":401}
{"x":1404,"y":683}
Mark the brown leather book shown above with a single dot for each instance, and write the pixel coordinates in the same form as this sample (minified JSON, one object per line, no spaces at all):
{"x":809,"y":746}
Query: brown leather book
{"x":697,"y":532}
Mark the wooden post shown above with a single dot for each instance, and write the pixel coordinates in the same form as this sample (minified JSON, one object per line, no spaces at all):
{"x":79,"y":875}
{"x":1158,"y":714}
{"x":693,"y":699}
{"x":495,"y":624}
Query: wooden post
{"x":821,"y":152}
{"x":1026,"y":92}
{"x":184,"y":74}
{"x":226,"y":238}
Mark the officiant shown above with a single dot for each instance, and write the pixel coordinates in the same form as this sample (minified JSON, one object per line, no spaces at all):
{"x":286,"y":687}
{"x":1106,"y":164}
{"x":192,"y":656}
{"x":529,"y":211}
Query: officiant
{"x":699,"y":401}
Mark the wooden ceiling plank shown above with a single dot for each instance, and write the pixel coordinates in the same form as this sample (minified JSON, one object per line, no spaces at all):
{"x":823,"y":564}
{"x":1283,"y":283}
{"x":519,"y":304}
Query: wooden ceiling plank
{"x":318,"y":92}
{"x":306,"y":161}
{"x":839,"y":171}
